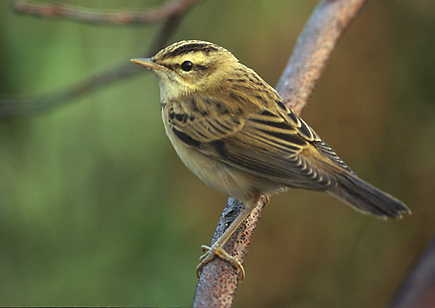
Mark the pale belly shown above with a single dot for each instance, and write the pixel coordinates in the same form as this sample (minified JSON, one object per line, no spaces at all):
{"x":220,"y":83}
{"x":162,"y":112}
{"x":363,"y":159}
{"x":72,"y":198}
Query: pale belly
{"x":224,"y":178}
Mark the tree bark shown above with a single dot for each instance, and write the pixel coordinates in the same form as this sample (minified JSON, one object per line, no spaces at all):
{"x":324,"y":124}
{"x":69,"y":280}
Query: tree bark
{"x":218,"y":283}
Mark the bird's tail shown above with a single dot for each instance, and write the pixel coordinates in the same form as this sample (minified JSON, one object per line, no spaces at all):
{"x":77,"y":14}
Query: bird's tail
{"x":366,"y":198}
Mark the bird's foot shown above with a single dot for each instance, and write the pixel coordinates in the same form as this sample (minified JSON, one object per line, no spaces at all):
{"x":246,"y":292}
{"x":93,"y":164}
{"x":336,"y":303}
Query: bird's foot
{"x":212,"y":251}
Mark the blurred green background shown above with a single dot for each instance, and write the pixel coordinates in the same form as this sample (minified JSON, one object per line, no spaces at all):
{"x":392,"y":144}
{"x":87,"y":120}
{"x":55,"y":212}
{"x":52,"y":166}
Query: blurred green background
{"x":97,"y":209}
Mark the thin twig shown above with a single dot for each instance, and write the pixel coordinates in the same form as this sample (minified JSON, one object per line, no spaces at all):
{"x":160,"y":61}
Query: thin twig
{"x":118,"y":18}
{"x":219,"y":280}
{"x":38,"y":104}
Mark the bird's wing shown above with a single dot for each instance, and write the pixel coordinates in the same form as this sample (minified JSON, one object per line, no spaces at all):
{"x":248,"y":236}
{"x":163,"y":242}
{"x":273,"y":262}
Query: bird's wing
{"x":273,"y":143}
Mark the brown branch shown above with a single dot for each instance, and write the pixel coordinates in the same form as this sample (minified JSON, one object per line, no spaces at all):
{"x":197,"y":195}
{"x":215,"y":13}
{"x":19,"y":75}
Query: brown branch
{"x":314,"y":46}
{"x":42,"y":103}
{"x":219,"y":280}
{"x":118,"y":18}
{"x":418,"y":290}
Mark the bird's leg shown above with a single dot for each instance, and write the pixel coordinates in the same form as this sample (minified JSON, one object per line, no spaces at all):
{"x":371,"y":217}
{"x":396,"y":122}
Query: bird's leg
{"x":217,"y":247}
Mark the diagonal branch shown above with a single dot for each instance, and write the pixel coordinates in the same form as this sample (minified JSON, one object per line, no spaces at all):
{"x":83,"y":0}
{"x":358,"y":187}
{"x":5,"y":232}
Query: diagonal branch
{"x":219,"y":280}
{"x":42,"y":103}
{"x":117,"y":18}
{"x":418,"y":289}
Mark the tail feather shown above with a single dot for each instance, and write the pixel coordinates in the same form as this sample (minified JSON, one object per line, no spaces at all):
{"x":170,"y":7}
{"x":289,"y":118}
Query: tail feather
{"x":366,"y":198}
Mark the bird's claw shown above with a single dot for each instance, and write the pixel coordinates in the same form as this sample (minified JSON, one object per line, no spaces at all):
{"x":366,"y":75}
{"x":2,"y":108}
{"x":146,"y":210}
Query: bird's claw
{"x":209,"y":254}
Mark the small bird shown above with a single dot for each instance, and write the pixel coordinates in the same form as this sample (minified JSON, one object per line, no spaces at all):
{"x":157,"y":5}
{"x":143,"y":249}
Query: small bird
{"x":232,"y":130}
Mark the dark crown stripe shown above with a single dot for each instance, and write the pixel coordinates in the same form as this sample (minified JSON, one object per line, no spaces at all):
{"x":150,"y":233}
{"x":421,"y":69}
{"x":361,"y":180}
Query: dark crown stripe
{"x":187,"y":48}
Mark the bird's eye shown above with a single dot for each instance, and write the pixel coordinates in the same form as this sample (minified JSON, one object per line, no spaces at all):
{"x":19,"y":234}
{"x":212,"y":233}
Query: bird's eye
{"x":186,"y":66}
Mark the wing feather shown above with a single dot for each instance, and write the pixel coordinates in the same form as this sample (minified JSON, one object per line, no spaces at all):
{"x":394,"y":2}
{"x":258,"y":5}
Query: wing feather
{"x":271,"y":143}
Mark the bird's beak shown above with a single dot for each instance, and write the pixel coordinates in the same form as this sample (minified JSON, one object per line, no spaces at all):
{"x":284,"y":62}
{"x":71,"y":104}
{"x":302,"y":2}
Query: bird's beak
{"x":148,"y":63}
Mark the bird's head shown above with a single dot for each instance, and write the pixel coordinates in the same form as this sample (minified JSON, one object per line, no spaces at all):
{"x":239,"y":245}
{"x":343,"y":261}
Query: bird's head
{"x":187,"y":67}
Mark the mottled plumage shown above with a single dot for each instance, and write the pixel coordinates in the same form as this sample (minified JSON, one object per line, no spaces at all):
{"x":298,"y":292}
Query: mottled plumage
{"x":233,"y":131}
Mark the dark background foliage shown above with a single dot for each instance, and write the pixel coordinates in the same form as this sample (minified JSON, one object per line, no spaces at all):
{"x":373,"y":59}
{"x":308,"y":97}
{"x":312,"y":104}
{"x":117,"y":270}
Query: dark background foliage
{"x":97,"y":209}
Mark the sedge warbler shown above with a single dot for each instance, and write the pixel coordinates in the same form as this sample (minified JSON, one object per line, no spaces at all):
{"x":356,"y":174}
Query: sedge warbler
{"x":232,"y":130}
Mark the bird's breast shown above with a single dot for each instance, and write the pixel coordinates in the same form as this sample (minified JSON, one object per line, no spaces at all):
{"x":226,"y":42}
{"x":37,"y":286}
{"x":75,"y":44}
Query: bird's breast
{"x":222,"y":177}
